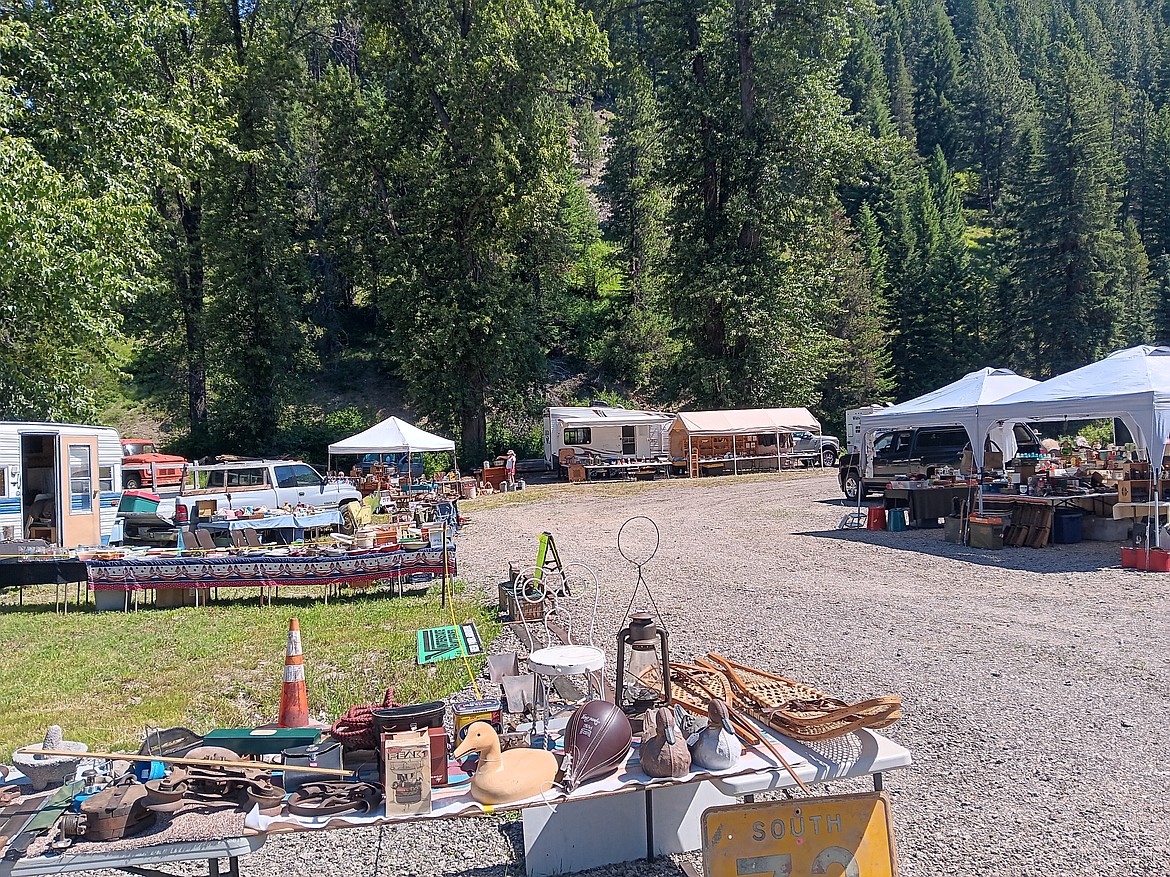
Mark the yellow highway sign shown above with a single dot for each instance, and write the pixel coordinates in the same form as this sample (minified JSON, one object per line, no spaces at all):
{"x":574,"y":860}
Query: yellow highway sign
{"x":838,"y":836}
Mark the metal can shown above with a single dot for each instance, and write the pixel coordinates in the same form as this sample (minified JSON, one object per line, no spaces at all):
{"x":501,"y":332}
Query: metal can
{"x":486,"y":710}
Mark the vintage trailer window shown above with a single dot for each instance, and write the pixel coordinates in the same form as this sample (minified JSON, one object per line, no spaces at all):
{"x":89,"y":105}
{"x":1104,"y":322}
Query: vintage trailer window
{"x":581,"y":436}
{"x":106,"y":479}
{"x":3,"y":481}
{"x":80,"y":480}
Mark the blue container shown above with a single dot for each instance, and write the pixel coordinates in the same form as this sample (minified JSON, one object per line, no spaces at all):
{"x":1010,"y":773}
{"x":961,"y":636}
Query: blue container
{"x":1066,"y":526}
{"x":896,"y":520}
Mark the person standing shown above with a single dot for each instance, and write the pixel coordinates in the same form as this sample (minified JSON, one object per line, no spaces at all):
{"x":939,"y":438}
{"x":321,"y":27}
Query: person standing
{"x":510,"y":467}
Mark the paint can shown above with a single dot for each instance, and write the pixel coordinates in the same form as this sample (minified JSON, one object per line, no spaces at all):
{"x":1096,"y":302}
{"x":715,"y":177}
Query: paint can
{"x":486,"y":710}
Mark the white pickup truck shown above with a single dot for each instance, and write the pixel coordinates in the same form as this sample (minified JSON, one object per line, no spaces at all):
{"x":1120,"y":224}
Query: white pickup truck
{"x":243,"y":484}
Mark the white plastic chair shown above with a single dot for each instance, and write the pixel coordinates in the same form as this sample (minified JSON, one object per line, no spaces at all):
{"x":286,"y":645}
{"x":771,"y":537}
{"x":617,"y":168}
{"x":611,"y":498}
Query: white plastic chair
{"x":566,"y":596}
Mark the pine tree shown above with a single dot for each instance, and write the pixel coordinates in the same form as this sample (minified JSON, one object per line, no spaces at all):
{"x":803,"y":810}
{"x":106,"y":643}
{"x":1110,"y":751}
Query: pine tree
{"x":937,"y":70}
{"x":864,"y":82}
{"x":1064,"y":216}
{"x":1160,"y":295}
{"x":1135,"y":316}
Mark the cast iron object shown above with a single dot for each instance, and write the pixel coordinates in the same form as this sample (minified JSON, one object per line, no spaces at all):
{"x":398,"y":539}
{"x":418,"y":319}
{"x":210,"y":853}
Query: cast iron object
{"x":116,"y":811}
{"x":212,"y":783}
{"x":333,"y":798}
{"x":391,"y":720}
{"x":597,"y":741}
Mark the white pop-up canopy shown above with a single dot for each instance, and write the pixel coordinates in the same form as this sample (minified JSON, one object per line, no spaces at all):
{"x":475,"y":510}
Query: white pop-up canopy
{"x":959,"y":403}
{"x":1132,"y":385}
{"x":749,"y":421}
{"x":392,"y":436}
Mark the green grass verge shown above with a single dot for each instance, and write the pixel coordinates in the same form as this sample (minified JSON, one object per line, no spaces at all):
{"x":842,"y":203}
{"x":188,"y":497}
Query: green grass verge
{"x":103,"y":676}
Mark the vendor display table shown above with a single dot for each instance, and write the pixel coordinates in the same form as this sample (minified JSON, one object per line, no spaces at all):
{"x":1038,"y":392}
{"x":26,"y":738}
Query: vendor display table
{"x":928,"y":504}
{"x":651,"y":467}
{"x":1096,"y":503}
{"x":18,"y":572}
{"x":628,"y":815}
{"x":136,"y":861}
{"x":287,"y":528}
{"x":241,"y":570}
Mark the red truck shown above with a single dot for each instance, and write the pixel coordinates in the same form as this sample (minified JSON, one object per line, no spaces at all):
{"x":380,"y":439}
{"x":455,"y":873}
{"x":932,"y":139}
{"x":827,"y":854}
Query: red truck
{"x":144,"y":466}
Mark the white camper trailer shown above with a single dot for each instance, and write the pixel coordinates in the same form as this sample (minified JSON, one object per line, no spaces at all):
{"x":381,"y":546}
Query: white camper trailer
{"x":59,"y":482}
{"x":604,"y":432}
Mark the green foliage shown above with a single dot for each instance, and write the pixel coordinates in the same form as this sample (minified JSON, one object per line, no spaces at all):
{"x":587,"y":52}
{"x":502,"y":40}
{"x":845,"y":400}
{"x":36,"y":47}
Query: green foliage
{"x":587,"y":137}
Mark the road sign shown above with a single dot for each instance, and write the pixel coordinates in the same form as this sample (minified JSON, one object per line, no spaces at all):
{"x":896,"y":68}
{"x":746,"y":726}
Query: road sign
{"x":838,"y":836}
{"x":444,"y":643}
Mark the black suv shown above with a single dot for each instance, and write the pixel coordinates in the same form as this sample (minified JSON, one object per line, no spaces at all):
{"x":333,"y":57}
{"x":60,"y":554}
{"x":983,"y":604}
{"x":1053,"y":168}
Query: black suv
{"x":918,"y":452}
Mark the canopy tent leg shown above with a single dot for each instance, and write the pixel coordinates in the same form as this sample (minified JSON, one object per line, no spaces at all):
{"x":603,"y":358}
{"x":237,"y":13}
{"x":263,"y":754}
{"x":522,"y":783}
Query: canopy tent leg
{"x":778,"y":467}
{"x":690,"y":451}
{"x":734,"y":457}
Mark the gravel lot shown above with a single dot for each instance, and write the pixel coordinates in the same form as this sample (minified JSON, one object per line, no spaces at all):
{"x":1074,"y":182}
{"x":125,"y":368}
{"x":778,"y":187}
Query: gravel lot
{"x":1036,"y":682}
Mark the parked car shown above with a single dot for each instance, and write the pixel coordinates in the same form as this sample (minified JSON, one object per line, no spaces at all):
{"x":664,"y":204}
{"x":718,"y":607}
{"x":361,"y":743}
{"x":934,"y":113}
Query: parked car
{"x":811,"y":446}
{"x":920,"y":451}
{"x":144,"y":466}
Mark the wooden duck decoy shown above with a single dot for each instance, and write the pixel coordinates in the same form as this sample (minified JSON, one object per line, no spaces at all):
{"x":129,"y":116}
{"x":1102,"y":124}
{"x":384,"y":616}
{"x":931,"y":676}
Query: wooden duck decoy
{"x":717,"y":747}
{"x":506,"y":776}
{"x":663,"y":752}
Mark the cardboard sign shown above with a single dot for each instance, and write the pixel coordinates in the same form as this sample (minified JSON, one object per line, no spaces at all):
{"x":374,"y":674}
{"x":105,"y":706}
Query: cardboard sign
{"x":444,"y":643}
{"x":849,"y":835}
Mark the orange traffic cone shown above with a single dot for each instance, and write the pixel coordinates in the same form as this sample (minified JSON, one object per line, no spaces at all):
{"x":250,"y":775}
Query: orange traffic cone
{"x":294,"y":697}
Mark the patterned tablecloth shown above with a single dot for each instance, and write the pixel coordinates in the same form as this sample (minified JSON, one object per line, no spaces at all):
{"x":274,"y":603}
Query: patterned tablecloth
{"x":264,"y":570}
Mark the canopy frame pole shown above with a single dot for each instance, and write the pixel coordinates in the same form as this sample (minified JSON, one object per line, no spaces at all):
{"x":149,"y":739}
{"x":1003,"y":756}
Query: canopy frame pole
{"x":778,"y":466}
{"x":734,"y":457}
{"x":689,"y":452}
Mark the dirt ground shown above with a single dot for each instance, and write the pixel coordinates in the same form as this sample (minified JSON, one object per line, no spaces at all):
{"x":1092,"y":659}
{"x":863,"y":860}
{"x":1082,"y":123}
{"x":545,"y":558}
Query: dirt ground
{"x":1037,"y":703}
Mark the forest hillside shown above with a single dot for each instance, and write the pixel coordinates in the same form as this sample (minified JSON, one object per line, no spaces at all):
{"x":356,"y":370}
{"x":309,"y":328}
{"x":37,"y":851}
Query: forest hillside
{"x":263,"y":224}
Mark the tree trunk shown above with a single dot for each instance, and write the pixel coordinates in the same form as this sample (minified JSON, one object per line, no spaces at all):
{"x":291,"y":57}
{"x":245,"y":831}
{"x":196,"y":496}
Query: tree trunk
{"x":191,"y":283}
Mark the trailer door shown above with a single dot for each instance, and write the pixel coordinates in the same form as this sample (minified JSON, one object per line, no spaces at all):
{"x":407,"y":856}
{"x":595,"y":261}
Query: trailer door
{"x":80,"y":509}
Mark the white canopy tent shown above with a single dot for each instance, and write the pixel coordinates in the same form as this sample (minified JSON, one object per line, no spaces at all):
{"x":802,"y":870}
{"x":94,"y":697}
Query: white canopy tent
{"x":1132,"y":385}
{"x":959,"y":403}
{"x":392,"y":436}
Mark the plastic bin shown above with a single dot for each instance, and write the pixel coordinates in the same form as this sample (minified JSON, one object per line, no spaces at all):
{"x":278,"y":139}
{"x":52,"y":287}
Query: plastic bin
{"x":897,"y":520}
{"x":875,"y":519}
{"x":1066,"y":526}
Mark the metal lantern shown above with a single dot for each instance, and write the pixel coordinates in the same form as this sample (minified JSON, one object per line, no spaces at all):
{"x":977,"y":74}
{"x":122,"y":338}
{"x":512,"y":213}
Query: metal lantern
{"x":643,"y":665}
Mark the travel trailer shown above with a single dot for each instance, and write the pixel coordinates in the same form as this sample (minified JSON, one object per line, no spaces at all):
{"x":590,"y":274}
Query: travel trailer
{"x":604,"y":432}
{"x":60,"y":482}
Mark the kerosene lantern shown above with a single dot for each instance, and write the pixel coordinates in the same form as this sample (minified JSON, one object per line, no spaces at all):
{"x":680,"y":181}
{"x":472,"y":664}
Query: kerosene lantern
{"x":643,"y":665}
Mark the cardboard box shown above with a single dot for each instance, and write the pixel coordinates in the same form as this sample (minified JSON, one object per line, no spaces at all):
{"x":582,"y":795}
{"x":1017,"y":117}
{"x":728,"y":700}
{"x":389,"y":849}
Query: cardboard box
{"x":1133,"y":491}
{"x":437,"y":738}
{"x":407,"y":761}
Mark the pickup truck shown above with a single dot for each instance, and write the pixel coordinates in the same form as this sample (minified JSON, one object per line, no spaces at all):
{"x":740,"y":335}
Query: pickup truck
{"x":810,"y":447}
{"x":247,"y":483}
{"x":144,"y":466}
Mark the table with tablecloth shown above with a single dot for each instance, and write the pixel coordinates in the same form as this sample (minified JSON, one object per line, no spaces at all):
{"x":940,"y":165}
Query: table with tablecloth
{"x":267,"y":570}
{"x":288,"y":528}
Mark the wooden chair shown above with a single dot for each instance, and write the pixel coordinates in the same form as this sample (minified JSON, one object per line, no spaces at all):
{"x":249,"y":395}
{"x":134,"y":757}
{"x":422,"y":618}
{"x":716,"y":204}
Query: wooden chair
{"x":204,"y":541}
{"x":251,"y":537}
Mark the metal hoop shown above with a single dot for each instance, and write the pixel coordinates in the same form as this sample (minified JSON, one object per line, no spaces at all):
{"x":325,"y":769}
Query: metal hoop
{"x":653,"y":551}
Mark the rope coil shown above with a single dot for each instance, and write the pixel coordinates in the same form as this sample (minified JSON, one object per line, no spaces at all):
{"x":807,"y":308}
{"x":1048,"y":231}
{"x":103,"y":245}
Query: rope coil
{"x":356,"y":728}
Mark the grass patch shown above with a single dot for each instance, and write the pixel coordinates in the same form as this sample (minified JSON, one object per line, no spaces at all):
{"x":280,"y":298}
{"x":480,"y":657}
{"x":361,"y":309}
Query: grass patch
{"x":104,"y":676}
